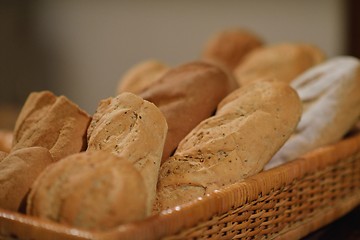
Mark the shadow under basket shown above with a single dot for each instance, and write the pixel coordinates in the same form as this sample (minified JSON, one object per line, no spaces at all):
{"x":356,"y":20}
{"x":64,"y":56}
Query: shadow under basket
{"x":287,"y":202}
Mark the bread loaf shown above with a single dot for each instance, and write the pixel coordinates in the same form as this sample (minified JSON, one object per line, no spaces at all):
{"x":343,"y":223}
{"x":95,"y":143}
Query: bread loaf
{"x":186,"y":95}
{"x":133,"y":129}
{"x":330,"y":93}
{"x":284,"y":62}
{"x":141,"y":76}
{"x":51,"y":122}
{"x":229,"y":47}
{"x":250,"y":125}
{"x":18,"y":171}
{"x":90,"y":190}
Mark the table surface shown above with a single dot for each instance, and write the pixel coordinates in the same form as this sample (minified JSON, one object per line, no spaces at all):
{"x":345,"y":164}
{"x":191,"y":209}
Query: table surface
{"x":345,"y":228}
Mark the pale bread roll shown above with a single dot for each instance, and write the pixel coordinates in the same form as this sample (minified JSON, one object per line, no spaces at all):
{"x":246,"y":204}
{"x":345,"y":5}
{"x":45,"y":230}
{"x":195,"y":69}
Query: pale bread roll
{"x":229,"y":47}
{"x":6,"y":138}
{"x":251,"y":124}
{"x":141,"y":76}
{"x":330,"y":93}
{"x":18,"y":170}
{"x":52,"y":122}
{"x":283,"y":61}
{"x":90,"y":190}
{"x":133,"y":129}
{"x":186,"y":95}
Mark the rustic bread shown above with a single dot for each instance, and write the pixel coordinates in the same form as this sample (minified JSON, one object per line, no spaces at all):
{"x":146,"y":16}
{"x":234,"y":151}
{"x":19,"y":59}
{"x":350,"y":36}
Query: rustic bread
{"x":330,"y":93}
{"x":90,"y":190}
{"x":284,"y":62}
{"x":134,"y":129}
{"x":229,"y":47}
{"x":6,"y":138}
{"x":186,"y":95}
{"x":18,"y":170}
{"x":51,"y":122}
{"x":250,"y":125}
{"x":141,"y":76}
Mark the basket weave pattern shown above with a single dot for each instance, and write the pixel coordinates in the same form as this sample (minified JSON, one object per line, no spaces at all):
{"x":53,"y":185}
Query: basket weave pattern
{"x":284,"y":208}
{"x":287,"y":202}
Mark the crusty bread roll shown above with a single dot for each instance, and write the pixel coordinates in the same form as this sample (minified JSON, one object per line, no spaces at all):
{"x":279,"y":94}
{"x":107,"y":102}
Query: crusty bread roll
{"x":330,"y":93}
{"x":229,"y":47}
{"x":186,"y":95}
{"x":18,"y":171}
{"x":284,"y":62}
{"x":134,"y":129}
{"x":251,"y":124}
{"x":51,"y":122}
{"x":6,"y":138}
{"x":90,"y":190}
{"x":141,"y":76}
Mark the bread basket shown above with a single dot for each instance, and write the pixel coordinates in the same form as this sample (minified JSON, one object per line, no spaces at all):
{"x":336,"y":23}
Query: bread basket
{"x":287,"y":202}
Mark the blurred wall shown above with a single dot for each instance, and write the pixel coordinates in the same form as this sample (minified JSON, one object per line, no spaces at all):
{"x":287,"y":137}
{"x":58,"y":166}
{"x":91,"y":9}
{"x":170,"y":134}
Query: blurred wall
{"x":81,"y":48}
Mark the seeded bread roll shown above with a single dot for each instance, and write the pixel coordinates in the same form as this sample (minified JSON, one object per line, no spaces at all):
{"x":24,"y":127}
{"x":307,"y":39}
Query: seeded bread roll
{"x":141,"y":76}
{"x":133,"y":129}
{"x":284,"y":62}
{"x":90,"y":190}
{"x":250,"y":125}
{"x":18,"y":171}
{"x":6,"y":138}
{"x":186,"y":95}
{"x":229,"y":47}
{"x":51,"y":122}
{"x":330,"y":93}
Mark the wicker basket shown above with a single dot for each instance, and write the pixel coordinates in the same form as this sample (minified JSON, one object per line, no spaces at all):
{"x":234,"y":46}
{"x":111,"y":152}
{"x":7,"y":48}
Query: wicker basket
{"x":287,"y":202}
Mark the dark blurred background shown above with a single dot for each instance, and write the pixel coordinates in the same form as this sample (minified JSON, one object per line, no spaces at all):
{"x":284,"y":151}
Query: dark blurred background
{"x":81,"y":48}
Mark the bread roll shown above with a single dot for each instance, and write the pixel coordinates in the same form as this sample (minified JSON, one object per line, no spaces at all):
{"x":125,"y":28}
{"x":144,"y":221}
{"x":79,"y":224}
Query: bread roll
{"x":18,"y":171}
{"x":51,"y":122}
{"x":90,"y":190}
{"x":284,"y":62}
{"x":229,"y":47}
{"x":251,"y":124}
{"x":6,"y":138}
{"x":133,"y":129}
{"x":186,"y":95}
{"x":330,"y":93}
{"x":141,"y":76}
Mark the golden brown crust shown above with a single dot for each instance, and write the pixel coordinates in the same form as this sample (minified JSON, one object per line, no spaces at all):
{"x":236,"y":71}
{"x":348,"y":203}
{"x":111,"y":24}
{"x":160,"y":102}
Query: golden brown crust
{"x":134,"y":129}
{"x":283,"y":62}
{"x":186,"y":95}
{"x":90,"y":190}
{"x":251,"y":124}
{"x":18,"y":171}
{"x":229,"y":47}
{"x":141,"y":76}
{"x":6,"y":138}
{"x":51,"y":122}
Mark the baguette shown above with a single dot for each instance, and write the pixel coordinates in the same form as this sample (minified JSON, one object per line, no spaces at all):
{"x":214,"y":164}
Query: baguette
{"x":186,"y":95}
{"x":283,"y":62}
{"x":250,"y":125}
{"x":330,"y":93}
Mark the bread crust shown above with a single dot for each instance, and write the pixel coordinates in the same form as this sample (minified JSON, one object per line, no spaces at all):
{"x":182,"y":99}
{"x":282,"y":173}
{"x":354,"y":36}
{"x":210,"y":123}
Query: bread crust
{"x":283,"y":61}
{"x":51,"y":122}
{"x":250,"y":125}
{"x":330,"y":93}
{"x":18,"y":170}
{"x":229,"y":47}
{"x":186,"y":95}
{"x":93,"y":190}
{"x":133,"y":129}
